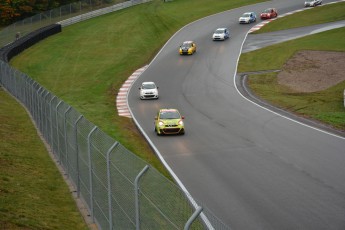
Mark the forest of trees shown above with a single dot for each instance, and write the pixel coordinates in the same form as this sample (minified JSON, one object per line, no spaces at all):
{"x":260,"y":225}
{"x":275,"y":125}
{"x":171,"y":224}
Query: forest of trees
{"x":14,"y":10}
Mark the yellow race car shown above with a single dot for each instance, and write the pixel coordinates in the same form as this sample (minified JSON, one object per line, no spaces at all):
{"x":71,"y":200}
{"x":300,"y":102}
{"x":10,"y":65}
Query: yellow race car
{"x":187,"y":47}
{"x":169,"y":121}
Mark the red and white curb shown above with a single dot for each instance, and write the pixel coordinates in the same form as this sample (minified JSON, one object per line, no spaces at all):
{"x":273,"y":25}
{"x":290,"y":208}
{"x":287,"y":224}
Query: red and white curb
{"x":258,"y":26}
{"x":121,"y":98}
{"x":261,"y":24}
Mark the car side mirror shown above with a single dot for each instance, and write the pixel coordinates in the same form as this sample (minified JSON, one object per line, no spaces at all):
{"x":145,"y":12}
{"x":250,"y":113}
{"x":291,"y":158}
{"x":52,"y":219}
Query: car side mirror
{"x":182,"y":117}
{"x":156,"y":118}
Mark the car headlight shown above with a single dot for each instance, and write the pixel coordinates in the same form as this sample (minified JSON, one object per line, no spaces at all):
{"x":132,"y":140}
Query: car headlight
{"x":160,"y":123}
{"x":180,"y":122}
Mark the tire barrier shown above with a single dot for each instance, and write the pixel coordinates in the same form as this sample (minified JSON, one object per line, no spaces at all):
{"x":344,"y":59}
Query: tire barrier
{"x":21,"y":43}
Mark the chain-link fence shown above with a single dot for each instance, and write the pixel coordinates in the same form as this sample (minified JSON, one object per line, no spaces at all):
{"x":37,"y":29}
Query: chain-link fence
{"x":120,"y":190}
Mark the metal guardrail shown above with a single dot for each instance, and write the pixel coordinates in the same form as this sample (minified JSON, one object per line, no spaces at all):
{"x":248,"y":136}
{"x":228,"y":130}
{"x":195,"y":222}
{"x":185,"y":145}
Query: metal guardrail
{"x":108,"y":178}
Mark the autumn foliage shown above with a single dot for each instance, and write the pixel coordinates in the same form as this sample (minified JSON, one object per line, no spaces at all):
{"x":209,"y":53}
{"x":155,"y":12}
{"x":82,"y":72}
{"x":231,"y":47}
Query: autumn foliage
{"x":14,"y":10}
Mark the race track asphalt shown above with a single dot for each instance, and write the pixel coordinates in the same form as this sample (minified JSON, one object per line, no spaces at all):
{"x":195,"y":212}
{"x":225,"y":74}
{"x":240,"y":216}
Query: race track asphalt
{"x":254,"y":168}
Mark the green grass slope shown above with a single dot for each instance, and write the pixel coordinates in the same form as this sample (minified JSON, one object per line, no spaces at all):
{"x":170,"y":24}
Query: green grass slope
{"x":33,"y":194}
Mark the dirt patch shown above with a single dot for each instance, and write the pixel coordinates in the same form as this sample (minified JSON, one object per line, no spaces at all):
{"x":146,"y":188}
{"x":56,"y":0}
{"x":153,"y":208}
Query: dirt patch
{"x":311,"y":71}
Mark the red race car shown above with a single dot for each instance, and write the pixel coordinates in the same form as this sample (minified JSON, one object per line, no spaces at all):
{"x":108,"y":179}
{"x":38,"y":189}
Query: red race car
{"x":269,"y":13}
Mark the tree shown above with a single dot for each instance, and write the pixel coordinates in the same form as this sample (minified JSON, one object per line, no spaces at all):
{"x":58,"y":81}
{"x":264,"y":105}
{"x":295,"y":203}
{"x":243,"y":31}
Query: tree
{"x":8,"y":11}
{"x":14,"y":10}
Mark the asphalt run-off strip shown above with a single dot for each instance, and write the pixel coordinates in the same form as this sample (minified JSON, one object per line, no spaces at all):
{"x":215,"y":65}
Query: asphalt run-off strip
{"x":121,"y":98}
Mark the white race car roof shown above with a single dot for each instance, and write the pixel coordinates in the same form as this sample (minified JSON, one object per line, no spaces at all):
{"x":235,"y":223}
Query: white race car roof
{"x":147,"y":82}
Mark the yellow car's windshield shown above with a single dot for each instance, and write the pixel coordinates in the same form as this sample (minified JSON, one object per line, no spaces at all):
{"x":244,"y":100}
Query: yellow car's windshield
{"x":186,"y":45}
{"x":169,"y":115}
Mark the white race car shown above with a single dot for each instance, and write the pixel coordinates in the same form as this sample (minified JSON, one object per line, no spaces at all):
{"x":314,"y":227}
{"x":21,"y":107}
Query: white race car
{"x":312,"y":3}
{"x":221,"y":34}
{"x":247,"y":17}
{"x":148,"y":90}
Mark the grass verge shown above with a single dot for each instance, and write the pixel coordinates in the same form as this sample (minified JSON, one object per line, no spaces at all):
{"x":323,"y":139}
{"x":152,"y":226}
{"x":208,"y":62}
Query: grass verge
{"x":33,"y":194}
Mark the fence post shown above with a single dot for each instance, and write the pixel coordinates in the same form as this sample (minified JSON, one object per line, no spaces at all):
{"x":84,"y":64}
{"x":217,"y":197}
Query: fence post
{"x":77,"y":153}
{"x":37,"y":105}
{"x":66,"y":152}
{"x":109,"y":185}
{"x":51,"y":123}
{"x":24,"y":90}
{"x":32,"y":88}
{"x":57,"y":130}
{"x":90,"y":170}
{"x":193,"y":217}
{"x":15,"y":84}
{"x":45,"y":128}
{"x":41,"y":110}
{"x":33,"y":99}
{"x":136,"y":187}
{"x":27,"y":96}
